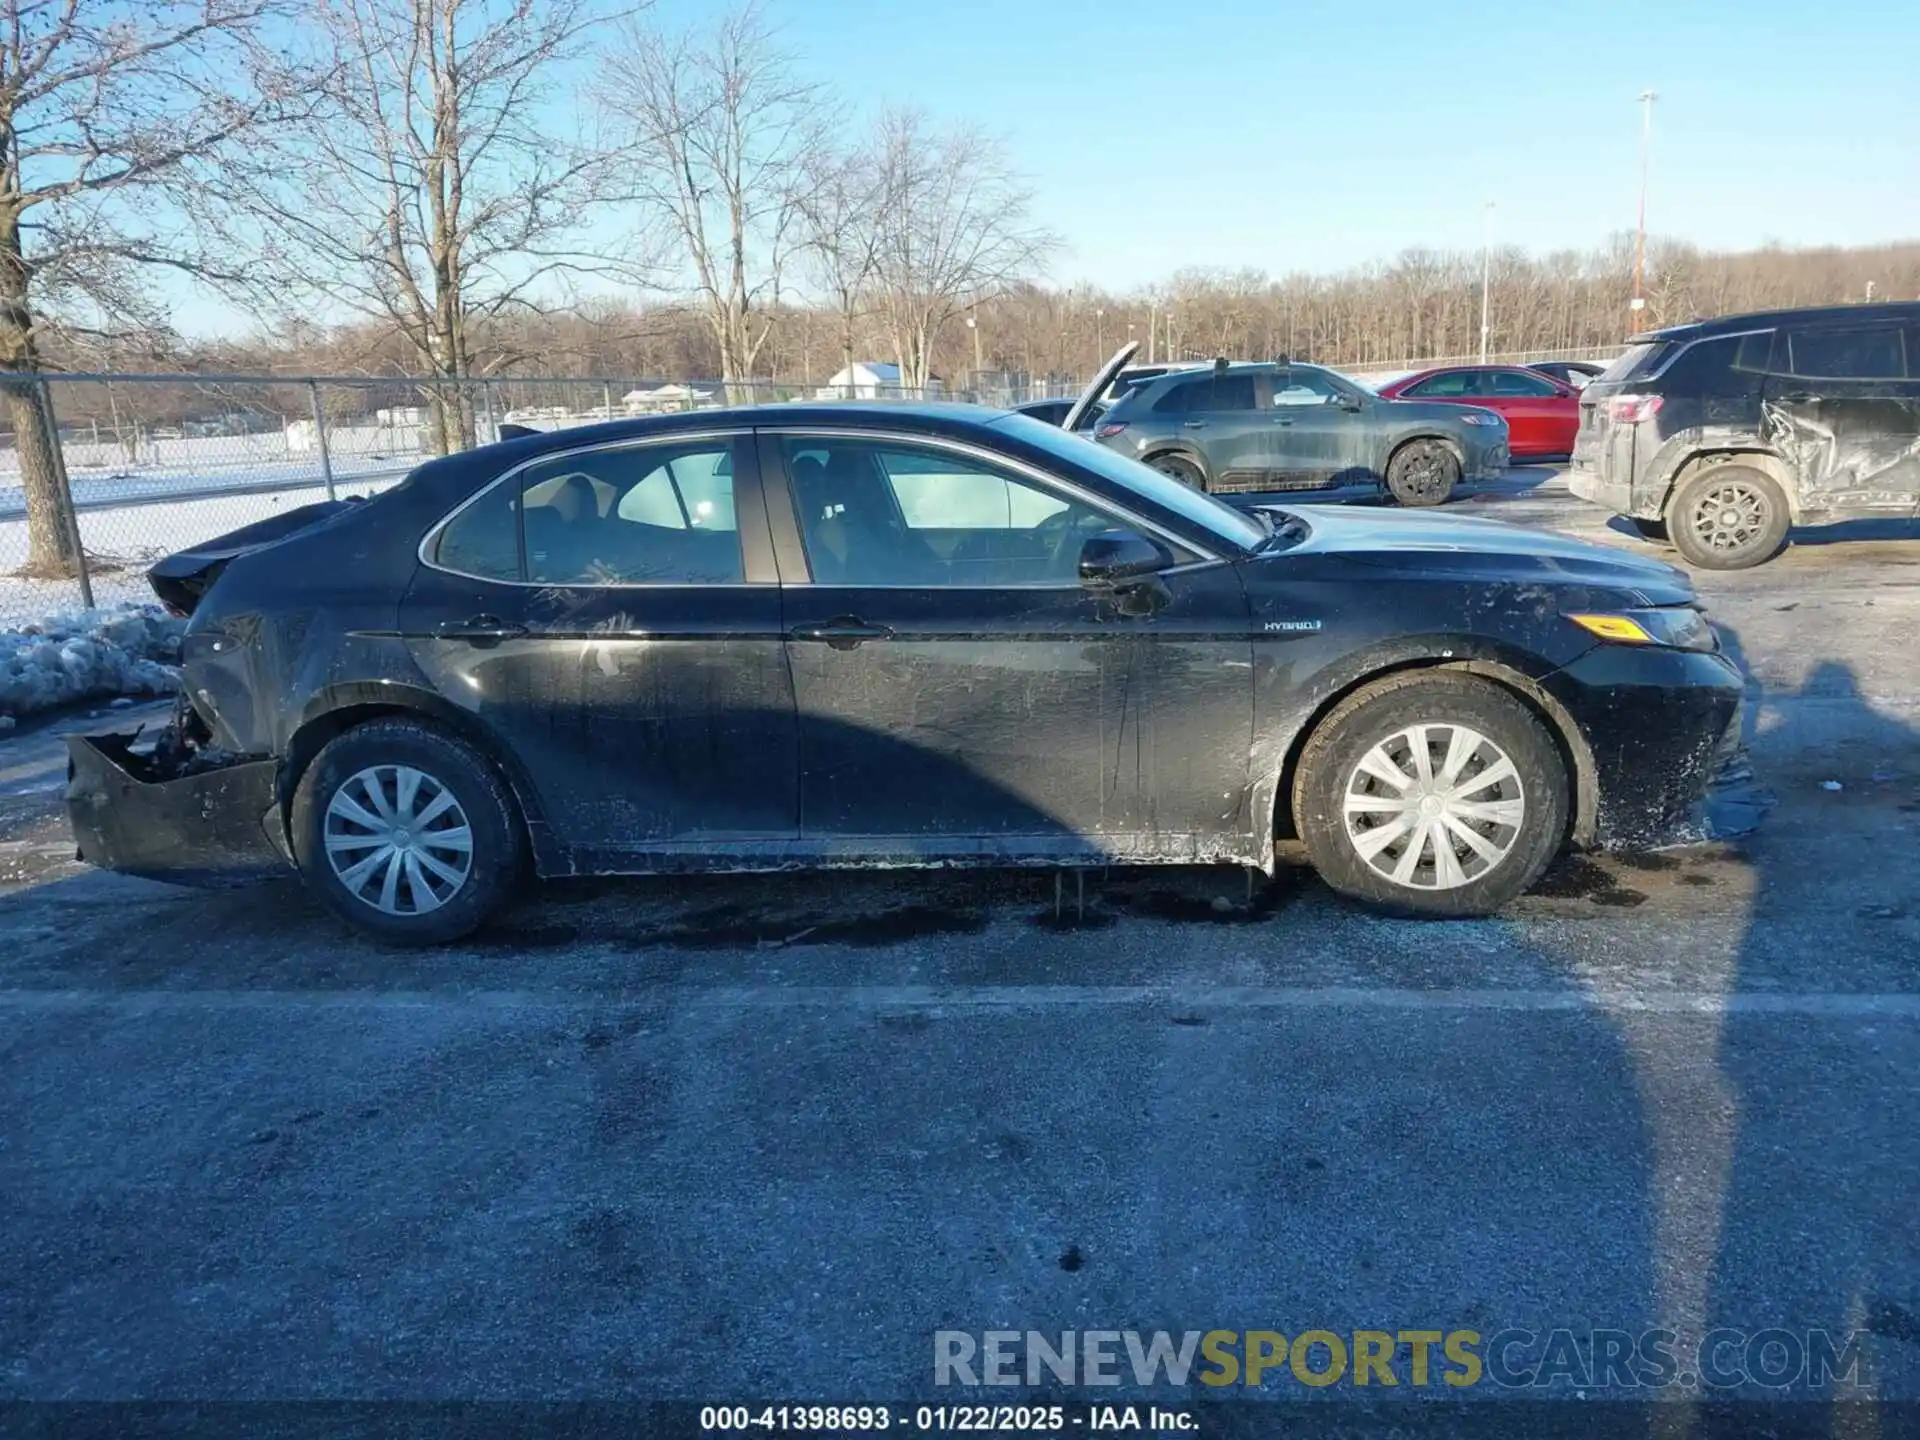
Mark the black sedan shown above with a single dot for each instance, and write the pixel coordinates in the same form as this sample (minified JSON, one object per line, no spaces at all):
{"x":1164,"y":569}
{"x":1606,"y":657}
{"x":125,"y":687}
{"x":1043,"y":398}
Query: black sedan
{"x":853,"y":635}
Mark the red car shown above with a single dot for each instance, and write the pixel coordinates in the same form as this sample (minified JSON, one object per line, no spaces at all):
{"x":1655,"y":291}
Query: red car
{"x":1541,"y":413}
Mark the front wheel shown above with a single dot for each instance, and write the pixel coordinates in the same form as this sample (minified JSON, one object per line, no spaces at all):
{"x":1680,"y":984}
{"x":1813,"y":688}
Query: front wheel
{"x":1422,"y":472}
{"x":406,"y":832}
{"x":1730,"y":517}
{"x":1433,"y":793}
{"x":1185,"y":471}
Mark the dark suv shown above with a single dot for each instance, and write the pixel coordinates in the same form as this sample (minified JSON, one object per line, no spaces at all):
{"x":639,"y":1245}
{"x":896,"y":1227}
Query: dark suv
{"x":1721,"y":434}
{"x":1267,"y":427}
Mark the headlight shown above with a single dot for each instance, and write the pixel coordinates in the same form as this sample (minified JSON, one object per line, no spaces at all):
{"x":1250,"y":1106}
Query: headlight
{"x":1483,"y":417}
{"x":1677,"y":628}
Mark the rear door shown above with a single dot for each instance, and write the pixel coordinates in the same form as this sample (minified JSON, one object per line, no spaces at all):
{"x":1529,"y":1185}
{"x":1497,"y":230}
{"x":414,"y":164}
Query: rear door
{"x":1220,"y":415}
{"x":961,"y":694}
{"x":1840,"y":401}
{"x":612,"y":616}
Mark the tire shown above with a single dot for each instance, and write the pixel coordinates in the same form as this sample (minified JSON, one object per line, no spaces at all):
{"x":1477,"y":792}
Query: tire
{"x":363,"y":770}
{"x":1422,"y":472}
{"x":1728,"y":517}
{"x":1183,"y":470}
{"x":1652,"y":530}
{"x":1339,"y":801}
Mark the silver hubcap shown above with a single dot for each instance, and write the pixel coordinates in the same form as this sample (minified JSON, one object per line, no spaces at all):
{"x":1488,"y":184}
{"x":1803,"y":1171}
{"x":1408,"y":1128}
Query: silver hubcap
{"x":398,"y":840}
{"x":1434,"y":807}
{"x":1730,"y":516}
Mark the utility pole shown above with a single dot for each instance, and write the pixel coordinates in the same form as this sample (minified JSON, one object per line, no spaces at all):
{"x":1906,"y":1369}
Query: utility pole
{"x":1639,"y":302}
{"x":973,"y":325}
{"x":1486,"y":275}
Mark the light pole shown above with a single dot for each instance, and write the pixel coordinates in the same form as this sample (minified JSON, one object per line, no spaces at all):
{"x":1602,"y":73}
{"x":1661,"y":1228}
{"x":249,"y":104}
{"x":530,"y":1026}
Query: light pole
{"x":1486,"y":275}
{"x":1099,"y":336}
{"x":973,"y":325}
{"x":1639,"y":301}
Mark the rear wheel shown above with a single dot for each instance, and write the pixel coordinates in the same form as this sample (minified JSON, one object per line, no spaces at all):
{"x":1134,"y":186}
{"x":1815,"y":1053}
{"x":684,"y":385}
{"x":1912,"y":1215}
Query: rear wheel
{"x":1432,"y":793}
{"x":1185,"y":471}
{"x":1729,"y":517}
{"x":1422,"y":472}
{"x":406,"y":832}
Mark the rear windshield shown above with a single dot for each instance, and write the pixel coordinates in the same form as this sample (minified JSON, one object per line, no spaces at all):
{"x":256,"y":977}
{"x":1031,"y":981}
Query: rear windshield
{"x":1639,"y":360}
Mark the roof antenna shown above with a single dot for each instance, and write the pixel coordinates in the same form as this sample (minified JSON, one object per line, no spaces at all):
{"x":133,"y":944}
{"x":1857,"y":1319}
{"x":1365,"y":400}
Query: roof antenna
{"x":1219,"y":364}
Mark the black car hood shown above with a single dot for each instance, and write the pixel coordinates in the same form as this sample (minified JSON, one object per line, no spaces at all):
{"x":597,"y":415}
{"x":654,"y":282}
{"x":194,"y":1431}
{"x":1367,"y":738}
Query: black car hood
{"x":1413,"y":543}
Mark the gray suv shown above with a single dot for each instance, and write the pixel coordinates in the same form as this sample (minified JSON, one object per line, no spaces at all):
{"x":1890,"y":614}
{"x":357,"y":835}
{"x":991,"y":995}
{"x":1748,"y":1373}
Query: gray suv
{"x":1280,"y":426}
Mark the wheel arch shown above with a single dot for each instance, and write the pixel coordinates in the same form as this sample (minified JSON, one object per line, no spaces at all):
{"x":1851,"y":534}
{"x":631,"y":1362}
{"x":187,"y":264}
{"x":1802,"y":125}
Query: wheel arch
{"x":1454,"y":448}
{"x":1768,"y":462}
{"x":1575,"y":752}
{"x":345,"y":707}
{"x":1183,"y":449}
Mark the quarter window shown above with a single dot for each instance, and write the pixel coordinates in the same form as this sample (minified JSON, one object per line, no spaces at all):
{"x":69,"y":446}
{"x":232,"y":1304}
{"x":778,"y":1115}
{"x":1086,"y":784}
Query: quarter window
{"x":1850,"y":353}
{"x":904,"y":515}
{"x":484,"y":538}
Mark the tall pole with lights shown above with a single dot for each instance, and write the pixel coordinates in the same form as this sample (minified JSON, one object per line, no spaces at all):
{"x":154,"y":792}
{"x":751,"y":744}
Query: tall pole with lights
{"x":1639,"y":301}
{"x":1486,"y":275}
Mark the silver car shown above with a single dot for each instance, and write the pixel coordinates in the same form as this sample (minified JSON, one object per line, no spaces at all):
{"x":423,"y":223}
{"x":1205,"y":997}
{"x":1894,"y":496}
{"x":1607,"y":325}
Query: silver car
{"x":1281,"y":426}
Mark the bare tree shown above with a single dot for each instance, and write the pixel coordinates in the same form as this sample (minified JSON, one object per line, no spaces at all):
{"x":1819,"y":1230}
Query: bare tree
{"x":431,"y":193}
{"x":839,"y":210}
{"x":954,"y":230}
{"x":720,"y":137}
{"x":108,"y":111}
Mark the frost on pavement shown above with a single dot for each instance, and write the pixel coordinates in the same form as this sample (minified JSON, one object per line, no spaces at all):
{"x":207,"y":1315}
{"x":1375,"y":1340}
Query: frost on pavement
{"x":85,"y":655}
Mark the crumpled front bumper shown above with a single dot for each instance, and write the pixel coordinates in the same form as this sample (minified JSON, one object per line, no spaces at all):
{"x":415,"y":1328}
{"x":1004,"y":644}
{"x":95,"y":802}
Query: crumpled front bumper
{"x":214,"y":827}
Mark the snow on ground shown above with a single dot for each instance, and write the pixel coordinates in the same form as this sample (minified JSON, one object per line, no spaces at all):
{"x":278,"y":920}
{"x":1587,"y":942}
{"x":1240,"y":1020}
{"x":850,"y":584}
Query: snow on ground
{"x":120,"y":650}
{"x":125,"y":540}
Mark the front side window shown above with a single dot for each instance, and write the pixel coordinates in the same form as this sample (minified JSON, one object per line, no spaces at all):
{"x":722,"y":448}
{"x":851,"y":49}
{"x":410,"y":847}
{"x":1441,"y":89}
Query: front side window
{"x":1518,"y":383}
{"x":878,"y":513}
{"x":1454,"y":386}
{"x":1864,"y":352}
{"x":1302,"y":387}
{"x":642,"y":515}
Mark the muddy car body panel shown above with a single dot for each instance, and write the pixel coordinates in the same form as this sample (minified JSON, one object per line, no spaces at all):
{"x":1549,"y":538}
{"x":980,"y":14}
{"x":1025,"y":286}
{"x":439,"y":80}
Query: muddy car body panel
{"x":845,"y":635}
{"x":1825,"y":402}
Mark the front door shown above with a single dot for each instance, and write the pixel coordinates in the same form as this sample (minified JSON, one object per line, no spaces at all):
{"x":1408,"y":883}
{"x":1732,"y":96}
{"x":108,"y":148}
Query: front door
{"x":1310,"y":435}
{"x":1839,"y":402}
{"x":612,"y":616}
{"x":962,"y":694}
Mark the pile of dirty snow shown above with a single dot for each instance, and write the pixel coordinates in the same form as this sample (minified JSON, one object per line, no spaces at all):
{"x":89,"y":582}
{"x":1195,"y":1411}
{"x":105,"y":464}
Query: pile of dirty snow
{"x":77,"y":655}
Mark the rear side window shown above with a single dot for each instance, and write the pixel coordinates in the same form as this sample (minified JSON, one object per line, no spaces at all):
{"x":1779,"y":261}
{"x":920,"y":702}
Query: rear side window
{"x":1209,"y":394}
{"x":1445,"y":387}
{"x":643,"y":515}
{"x":1730,"y":365}
{"x":1862,"y":352}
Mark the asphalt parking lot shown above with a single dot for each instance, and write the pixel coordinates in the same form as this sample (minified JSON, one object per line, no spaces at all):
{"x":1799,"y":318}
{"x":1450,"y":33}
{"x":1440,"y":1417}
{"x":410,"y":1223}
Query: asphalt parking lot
{"x":761,"y":1138}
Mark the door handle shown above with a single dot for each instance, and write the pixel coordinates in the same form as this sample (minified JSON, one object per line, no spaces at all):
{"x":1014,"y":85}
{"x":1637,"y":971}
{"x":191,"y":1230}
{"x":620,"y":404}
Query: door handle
{"x":1283,"y":419}
{"x":1193,"y":424}
{"x":1798,"y":397}
{"x":844,"y":632}
{"x":479,"y":628}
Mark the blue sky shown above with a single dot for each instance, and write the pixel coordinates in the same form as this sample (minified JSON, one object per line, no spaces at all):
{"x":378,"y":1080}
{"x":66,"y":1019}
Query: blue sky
{"x":1283,"y":134}
{"x":1286,"y":135}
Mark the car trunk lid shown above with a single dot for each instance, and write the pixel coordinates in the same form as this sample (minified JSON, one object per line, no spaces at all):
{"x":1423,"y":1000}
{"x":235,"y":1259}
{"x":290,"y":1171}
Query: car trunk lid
{"x":184,"y":577}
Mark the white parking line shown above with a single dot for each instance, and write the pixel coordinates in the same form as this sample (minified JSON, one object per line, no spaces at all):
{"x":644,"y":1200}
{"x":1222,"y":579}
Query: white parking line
{"x":983,"y":998}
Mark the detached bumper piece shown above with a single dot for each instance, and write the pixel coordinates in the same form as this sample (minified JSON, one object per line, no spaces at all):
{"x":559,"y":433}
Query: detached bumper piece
{"x":207,"y":824}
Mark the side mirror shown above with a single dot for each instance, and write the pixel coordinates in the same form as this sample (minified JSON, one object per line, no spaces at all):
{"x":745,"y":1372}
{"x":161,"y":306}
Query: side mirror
{"x":1348,"y":402}
{"x":1113,"y":557}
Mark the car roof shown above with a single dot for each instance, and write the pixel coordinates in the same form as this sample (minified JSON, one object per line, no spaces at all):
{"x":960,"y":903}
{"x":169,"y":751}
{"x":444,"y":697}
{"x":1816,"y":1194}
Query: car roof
{"x":1897,"y":310}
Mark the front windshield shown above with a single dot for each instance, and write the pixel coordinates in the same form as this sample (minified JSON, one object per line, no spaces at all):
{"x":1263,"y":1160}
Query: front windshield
{"x":1215,"y":516}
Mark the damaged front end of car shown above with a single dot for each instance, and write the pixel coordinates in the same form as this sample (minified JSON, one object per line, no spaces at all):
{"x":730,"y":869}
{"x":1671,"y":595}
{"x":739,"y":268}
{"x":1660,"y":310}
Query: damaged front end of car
{"x":173,"y":807}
